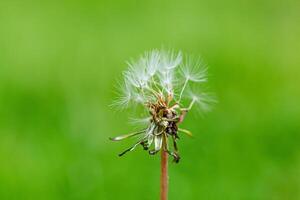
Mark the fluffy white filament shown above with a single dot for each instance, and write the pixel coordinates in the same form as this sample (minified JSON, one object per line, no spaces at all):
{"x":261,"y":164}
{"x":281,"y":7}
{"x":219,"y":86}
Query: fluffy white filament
{"x":161,"y":73}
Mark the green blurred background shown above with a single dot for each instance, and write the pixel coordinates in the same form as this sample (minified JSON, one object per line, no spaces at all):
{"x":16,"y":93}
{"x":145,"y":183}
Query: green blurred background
{"x":60,"y":62}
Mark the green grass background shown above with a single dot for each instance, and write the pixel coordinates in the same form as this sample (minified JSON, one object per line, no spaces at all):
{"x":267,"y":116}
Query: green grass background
{"x":60,"y":62}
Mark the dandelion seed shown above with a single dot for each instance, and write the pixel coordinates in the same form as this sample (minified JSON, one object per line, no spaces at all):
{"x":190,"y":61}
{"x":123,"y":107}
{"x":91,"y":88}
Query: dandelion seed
{"x":203,"y":100}
{"x":194,"y":70}
{"x":136,"y":75}
{"x":166,"y":81}
{"x":125,"y":98}
{"x":170,"y":60}
{"x":152,"y":61}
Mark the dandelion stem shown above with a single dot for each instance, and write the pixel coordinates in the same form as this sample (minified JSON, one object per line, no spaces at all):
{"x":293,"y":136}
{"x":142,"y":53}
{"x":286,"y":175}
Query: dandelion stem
{"x":164,"y":175}
{"x":155,"y":85}
{"x":183,"y":88}
{"x":191,"y":104}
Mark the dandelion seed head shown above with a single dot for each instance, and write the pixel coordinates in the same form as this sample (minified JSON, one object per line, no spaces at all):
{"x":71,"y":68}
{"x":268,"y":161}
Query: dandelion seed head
{"x":158,"y":80}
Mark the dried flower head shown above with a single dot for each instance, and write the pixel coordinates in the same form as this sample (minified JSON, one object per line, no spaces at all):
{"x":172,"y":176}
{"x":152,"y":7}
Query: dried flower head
{"x":158,"y":81}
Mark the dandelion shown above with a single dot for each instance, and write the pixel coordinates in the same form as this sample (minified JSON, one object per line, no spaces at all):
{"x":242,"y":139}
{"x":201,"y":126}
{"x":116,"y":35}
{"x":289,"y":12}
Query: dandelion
{"x":152,"y":81}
